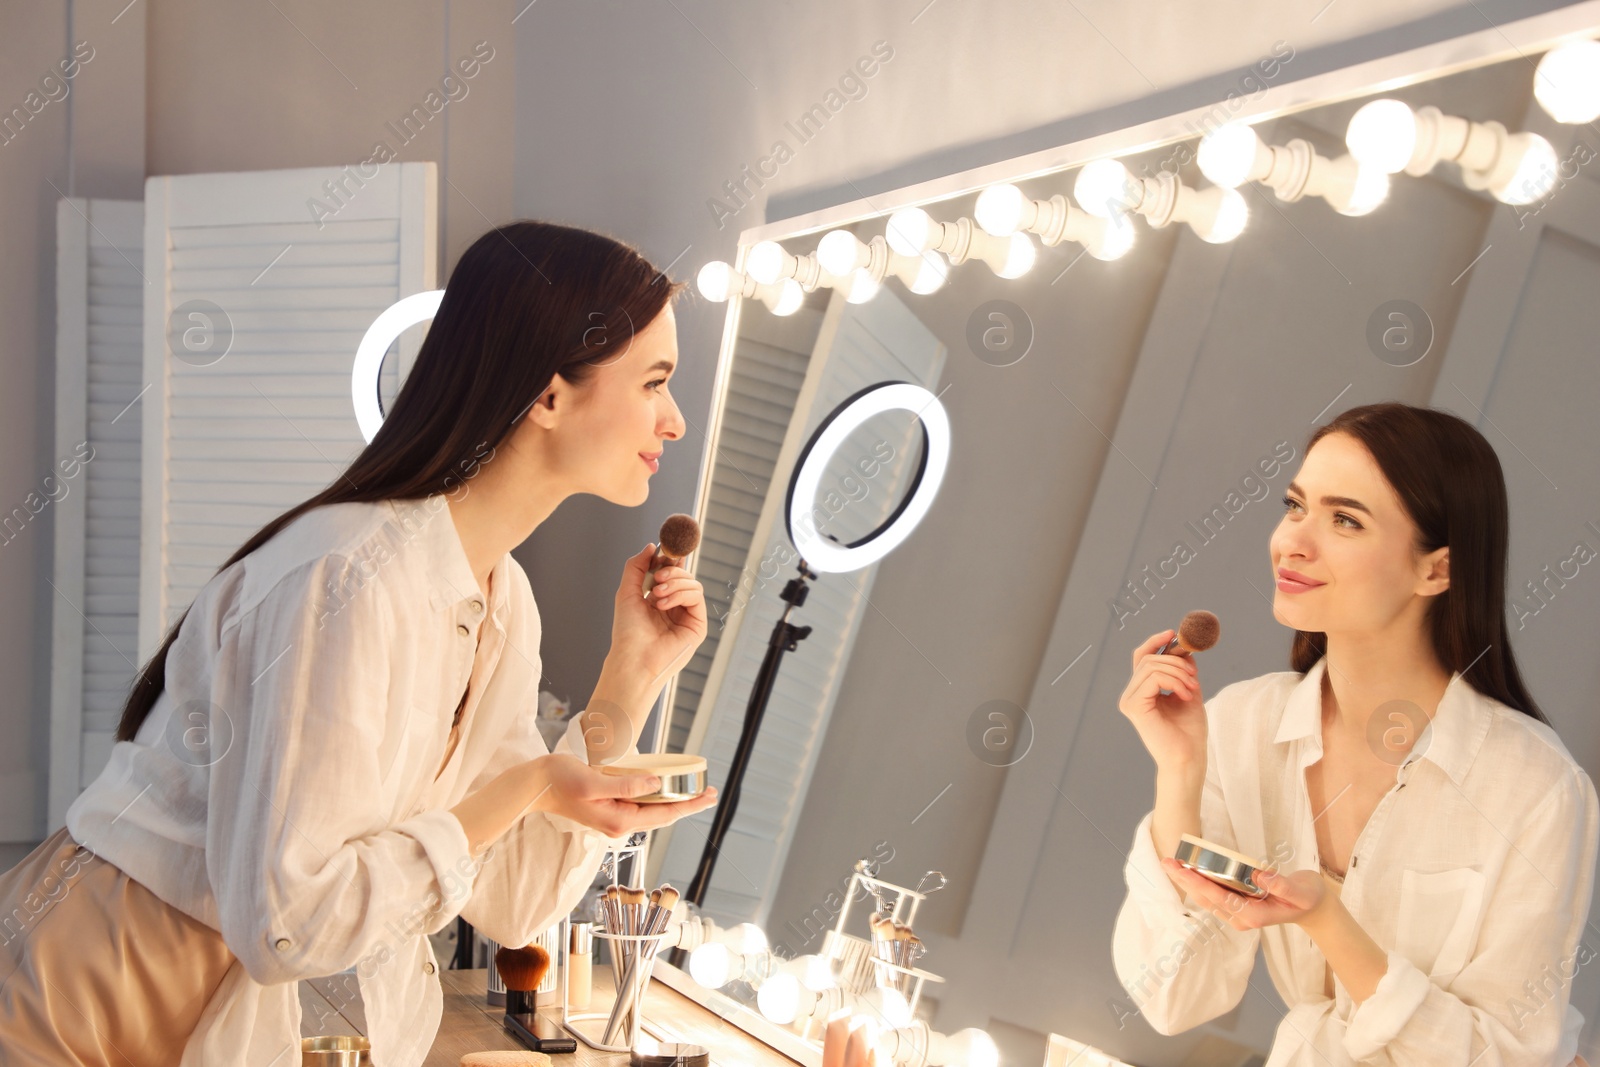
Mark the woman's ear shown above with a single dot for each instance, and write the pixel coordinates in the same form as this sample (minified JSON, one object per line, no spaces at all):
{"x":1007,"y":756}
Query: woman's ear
{"x":1436,"y":572}
{"x":543,"y":411}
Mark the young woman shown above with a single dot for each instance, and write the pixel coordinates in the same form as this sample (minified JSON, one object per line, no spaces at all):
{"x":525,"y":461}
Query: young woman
{"x":1431,"y":841}
{"x":335,"y":751}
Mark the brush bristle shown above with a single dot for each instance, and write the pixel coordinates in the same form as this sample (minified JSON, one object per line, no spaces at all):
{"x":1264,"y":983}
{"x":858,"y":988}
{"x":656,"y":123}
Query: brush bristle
{"x":1199,"y":630}
{"x":680,"y":535}
{"x":522,"y":969}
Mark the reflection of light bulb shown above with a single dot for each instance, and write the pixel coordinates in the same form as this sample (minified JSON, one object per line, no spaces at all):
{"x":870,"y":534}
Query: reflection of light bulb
{"x":1103,"y":188}
{"x":715,"y":280}
{"x":909,"y":231}
{"x":1113,"y":239}
{"x":1369,"y":189}
{"x":1220,"y":214}
{"x":747,"y":938}
{"x":964,"y":1048}
{"x":999,"y":209}
{"x":1382,"y":135}
{"x":840,"y":252}
{"x":1567,"y":82}
{"x":921,"y":274}
{"x":765,"y":262}
{"x":1535,"y":172}
{"x":779,"y":998}
{"x":790,"y":297}
{"x":1228,"y":155}
{"x":730,"y":954}
{"x":863,"y":287}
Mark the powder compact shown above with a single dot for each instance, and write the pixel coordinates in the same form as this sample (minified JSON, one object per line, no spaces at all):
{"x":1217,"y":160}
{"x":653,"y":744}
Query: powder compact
{"x":682,"y":777}
{"x":1222,"y":865}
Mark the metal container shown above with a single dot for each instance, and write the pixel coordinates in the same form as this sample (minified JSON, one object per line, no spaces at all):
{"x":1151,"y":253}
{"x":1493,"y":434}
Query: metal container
{"x":342,"y":1050}
{"x":682,"y":777}
{"x":1221,"y":865}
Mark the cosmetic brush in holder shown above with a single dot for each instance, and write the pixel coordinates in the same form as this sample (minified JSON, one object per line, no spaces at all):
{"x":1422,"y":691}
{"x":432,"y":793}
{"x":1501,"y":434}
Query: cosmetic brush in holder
{"x":897,"y":945}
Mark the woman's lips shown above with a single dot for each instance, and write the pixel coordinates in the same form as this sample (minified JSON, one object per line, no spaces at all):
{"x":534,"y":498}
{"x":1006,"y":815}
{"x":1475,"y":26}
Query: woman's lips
{"x":652,"y":463}
{"x":1288,"y":584}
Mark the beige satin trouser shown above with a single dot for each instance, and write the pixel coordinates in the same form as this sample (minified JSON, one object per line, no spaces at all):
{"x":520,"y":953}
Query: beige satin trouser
{"x":94,"y":968}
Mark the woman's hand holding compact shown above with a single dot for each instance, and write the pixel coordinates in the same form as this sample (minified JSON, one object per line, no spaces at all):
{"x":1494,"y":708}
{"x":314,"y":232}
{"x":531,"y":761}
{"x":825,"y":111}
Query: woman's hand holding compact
{"x":1291,"y":898}
{"x":568,"y":786}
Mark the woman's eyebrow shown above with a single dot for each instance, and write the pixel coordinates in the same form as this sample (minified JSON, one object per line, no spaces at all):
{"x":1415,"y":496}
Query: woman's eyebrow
{"x":1332,"y":501}
{"x":661,"y":364}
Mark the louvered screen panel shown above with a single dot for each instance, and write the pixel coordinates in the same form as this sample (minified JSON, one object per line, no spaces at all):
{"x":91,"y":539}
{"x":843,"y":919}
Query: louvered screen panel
{"x":238,"y":430}
{"x":94,"y":627}
{"x":878,"y":341}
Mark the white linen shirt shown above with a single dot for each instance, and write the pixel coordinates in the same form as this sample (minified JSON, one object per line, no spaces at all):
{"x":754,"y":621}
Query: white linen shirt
{"x":1474,"y":874}
{"x":283,"y":789}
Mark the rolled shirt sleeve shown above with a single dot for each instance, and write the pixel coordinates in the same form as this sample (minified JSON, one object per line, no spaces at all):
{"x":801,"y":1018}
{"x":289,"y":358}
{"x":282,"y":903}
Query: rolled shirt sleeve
{"x":309,"y":873}
{"x":1510,"y":1004}
{"x":1181,"y":965}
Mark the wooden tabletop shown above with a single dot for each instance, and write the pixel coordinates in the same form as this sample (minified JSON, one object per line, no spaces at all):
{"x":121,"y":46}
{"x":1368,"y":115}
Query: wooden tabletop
{"x":470,"y":1024}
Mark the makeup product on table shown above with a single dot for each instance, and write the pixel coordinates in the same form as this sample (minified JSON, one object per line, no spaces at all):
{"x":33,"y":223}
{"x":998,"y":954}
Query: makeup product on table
{"x":1198,"y":631}
{"x":1222,"y":865}
{"x":336,"y":1050}
{"x":680,"y":536}
{"x":682,"y":777}
{"x":580,"y":965}
{"x":522,"y":970}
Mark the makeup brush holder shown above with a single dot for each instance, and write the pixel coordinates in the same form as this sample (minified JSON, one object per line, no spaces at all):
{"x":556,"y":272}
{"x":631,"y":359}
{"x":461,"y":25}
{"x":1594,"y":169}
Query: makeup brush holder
{"x":907,"y":981}
{"x":633,"y":958}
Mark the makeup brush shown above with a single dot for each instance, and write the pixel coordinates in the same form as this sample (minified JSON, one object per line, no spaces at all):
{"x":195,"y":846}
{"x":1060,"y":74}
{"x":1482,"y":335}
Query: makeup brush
{"x":662,"y":903}
{"x":680,"y":536}
{"x":521,"y":969}
{"x":1198,"y":631}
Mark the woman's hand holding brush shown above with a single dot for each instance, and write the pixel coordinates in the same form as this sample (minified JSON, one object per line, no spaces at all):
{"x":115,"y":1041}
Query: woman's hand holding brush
{"x":1165,"y":703}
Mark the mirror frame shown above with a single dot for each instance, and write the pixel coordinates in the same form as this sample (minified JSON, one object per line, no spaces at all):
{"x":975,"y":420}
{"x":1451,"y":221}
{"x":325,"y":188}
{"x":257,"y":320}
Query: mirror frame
{"x":1495,"y":44}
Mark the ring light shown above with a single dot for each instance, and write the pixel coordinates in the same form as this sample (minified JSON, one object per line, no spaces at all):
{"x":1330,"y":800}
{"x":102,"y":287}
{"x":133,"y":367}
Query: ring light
{"x":395,"y":320}
{"x":822,"y":554}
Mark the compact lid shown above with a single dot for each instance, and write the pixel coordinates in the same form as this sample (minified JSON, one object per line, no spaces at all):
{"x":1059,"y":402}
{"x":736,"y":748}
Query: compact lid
{"x":661,"y":764}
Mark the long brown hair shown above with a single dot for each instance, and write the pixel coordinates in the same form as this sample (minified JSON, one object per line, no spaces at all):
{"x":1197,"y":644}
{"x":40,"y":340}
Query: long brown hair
{"x":527,"y":301}
{"x":1449,"y":480}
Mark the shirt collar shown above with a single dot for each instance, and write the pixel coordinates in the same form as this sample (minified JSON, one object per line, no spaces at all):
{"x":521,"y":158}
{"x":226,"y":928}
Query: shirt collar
{"x":1450,"y":740}
{"x":426,"y":521}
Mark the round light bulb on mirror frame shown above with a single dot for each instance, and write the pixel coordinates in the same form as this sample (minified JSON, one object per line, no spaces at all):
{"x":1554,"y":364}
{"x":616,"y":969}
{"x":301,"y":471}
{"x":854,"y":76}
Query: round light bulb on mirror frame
{"x":1382,"y":134}
{"x":1368,"y":189}
{"x":1105,"y":188}
{"x":1001,"y":210}
{"x":909,"y":231}
{"x":1533,"y":175}
{"x":788,"y":297}
{"x":715,"y":281}
{"x":1224,"y":216}
{"x":840,"y":252}
{"x":1231,"y":155}
{"x":765,"y":261}
{"x":1567,"y":82}
{"x":863,"y":287}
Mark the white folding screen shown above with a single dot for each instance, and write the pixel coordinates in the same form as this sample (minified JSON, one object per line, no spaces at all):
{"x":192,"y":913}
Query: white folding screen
{"x":259,"y":295}
{"x":94,"y":602}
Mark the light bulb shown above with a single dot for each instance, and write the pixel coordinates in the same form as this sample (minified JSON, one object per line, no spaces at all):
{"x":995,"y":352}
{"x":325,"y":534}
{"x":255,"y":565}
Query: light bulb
{"x":922,"y":274}
{"x":909,"y":231}
{"x":711,"y":965}
{"x":1371,"y":188}
{"x":790,"y":297}
{"x":765,"y":262}
{"x":863,"y":287}
{"x":891,"y":1004}
{"x":1114,"y":238}
{"x":964,"y":1048}
{"x":1227,"y":155}
{"x":779,"y":998}
{"x":1567,"y":82}
{"x":1227,"y":213}
{"x":715,"y":280}
{"x":1103,"y":188}
{"x":840,"y":252}
{"x":999,"y":209}
{"x":1382,"y":134}
{"x":1535,"y":173}
{"x":747,"y":938}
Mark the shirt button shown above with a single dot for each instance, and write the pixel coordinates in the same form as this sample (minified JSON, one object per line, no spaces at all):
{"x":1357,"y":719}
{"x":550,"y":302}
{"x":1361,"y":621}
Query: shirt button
{"x":461,"y":628}
{"x":428,"y":968}
{"x":281,"y":944}
{"x":477,"y":605}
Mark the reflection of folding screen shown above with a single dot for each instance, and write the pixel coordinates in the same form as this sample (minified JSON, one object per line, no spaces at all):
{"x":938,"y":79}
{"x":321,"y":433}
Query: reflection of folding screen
{"x":94,"y":602}
{"x":858,"y":345}
{"x":252,"y":319}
